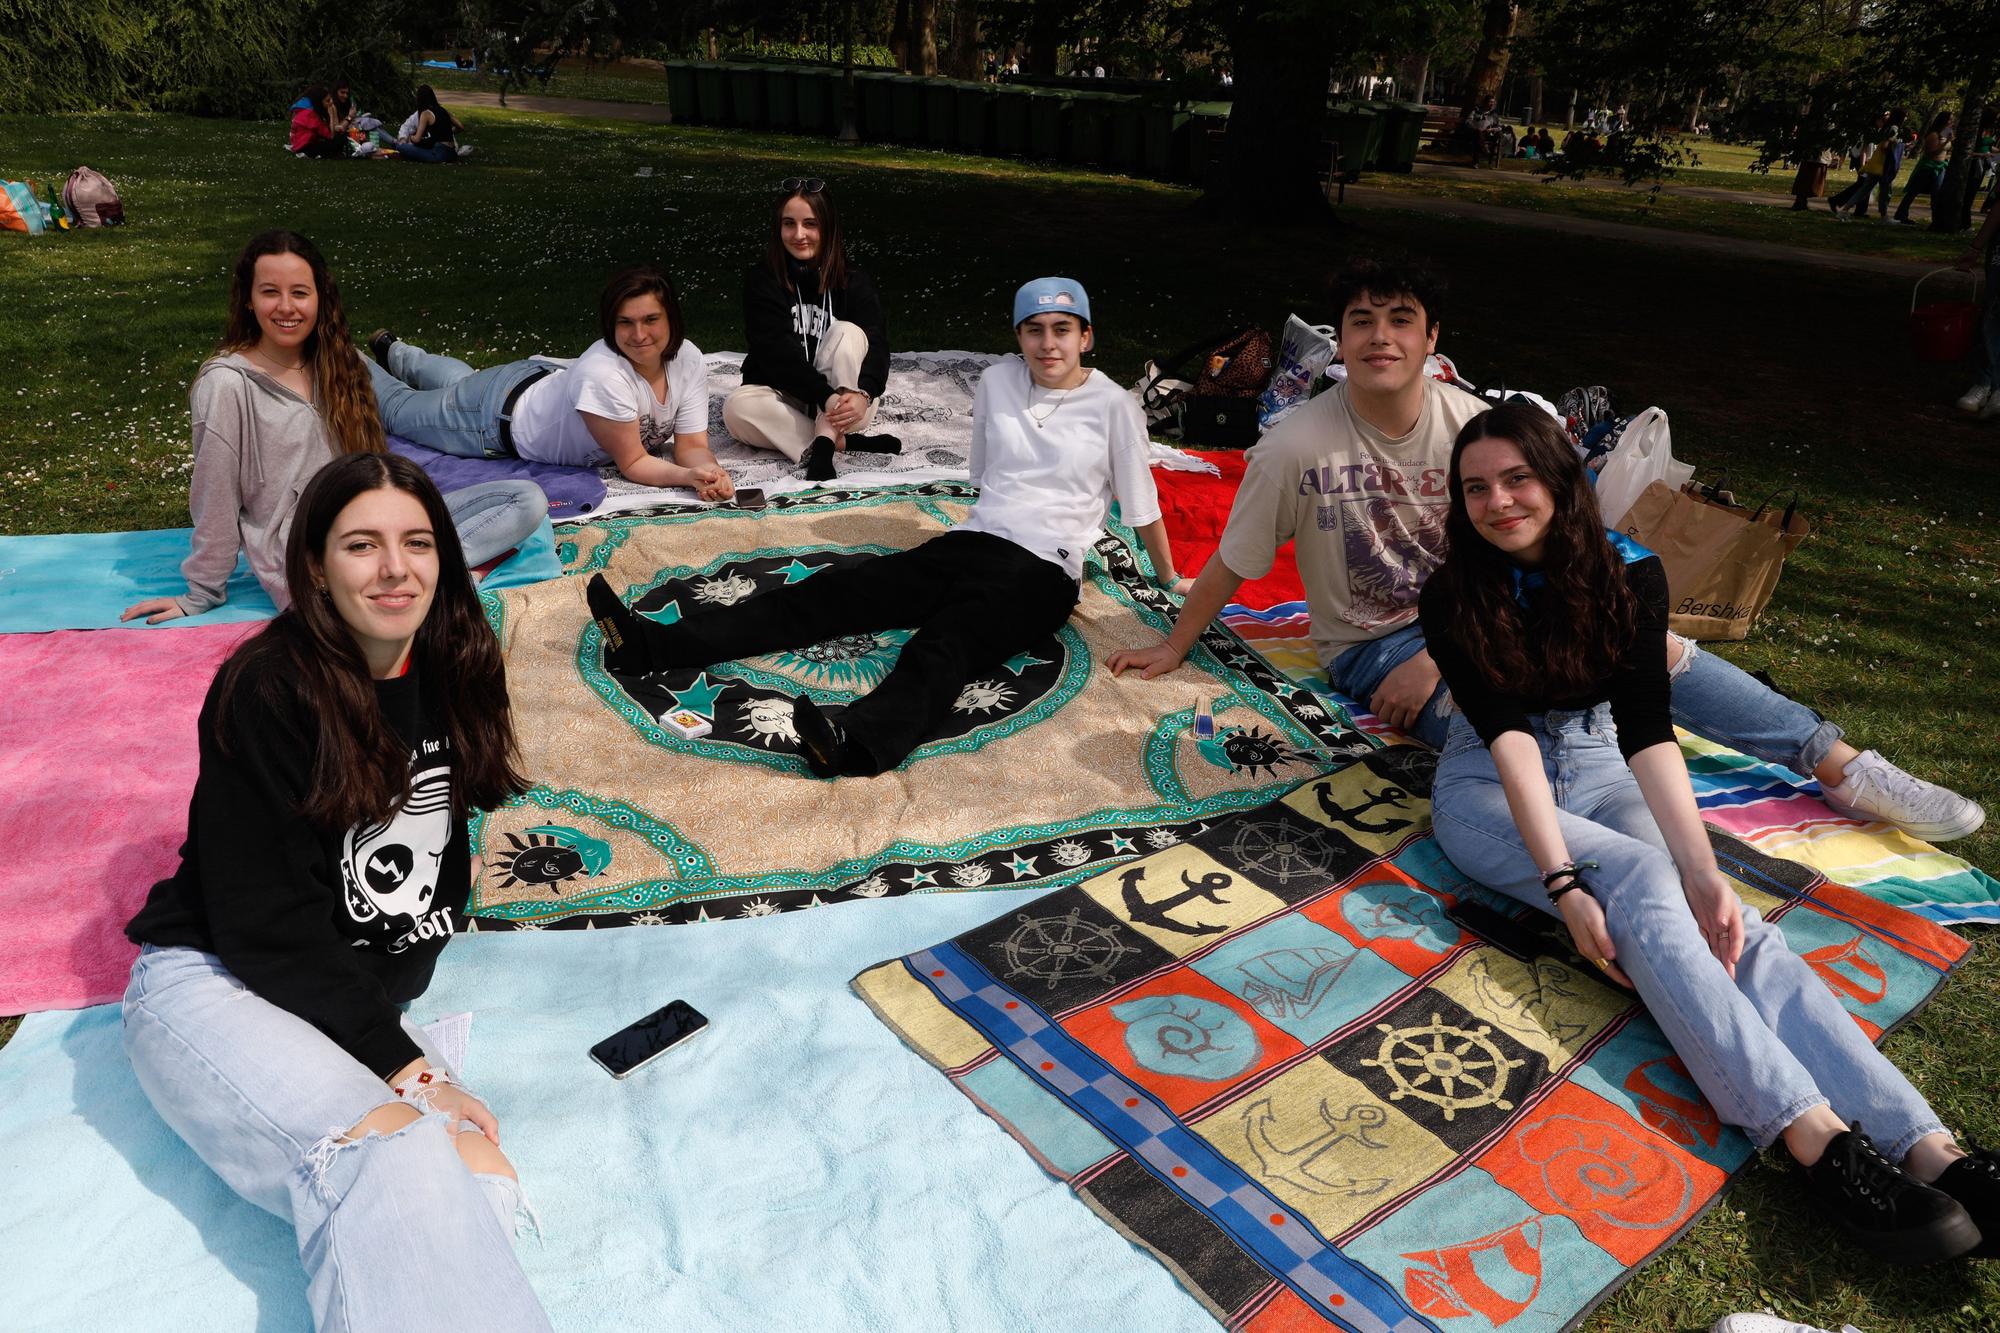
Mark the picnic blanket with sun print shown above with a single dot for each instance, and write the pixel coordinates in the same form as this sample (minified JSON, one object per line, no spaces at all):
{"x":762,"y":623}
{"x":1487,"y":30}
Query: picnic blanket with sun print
{"x":1327,"y":1081}
{"x":1048,"y":768}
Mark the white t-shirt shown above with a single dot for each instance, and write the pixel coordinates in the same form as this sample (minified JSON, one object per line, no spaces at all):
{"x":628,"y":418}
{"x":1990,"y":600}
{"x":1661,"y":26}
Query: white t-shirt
{"x":547,"y":425}
{"x":1365,"y":513}
{"x":1047,"y":478}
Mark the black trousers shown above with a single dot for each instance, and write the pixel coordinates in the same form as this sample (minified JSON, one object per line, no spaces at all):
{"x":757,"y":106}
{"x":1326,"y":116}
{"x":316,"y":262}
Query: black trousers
{"x":973,"y":599}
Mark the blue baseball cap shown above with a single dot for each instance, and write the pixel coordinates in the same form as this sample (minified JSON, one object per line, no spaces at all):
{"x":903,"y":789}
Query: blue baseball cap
{"x":1051,"y":296}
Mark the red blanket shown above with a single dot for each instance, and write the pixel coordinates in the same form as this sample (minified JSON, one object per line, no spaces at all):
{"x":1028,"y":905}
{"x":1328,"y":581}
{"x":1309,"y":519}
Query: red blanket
{"x":1196,"y":506}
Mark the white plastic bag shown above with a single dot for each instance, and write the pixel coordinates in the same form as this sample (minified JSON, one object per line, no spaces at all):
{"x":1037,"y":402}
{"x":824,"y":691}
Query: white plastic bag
{"x":1302,"y":354}
{"x":1644,"y":455}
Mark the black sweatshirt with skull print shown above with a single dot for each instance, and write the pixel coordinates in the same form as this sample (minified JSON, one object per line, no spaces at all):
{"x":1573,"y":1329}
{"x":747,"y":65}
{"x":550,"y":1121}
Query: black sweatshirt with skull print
{"x":338,"y":928}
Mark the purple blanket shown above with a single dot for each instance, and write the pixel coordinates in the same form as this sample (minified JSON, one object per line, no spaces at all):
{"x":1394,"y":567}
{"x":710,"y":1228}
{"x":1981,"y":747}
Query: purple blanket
{"x":572,"y":491}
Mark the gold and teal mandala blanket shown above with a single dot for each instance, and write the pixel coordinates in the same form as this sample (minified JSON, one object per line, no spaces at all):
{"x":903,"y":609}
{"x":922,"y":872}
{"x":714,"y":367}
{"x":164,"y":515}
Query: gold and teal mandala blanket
{"x":1047,"y":770}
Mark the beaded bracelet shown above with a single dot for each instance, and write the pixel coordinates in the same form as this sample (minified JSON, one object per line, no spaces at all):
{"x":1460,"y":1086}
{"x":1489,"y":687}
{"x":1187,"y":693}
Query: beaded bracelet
{"x":426,"y":1080}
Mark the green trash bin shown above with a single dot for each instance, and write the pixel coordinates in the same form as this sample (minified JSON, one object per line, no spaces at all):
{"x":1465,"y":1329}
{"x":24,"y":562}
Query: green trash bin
{"x":1009,"y":106}
{"x":873,"y":101}
{"x":1048,"y":123}
{"x":781,"y":97}
{"x":817,"y":87}
{"x":1089,"y":129}
{"x":1159,"y":124}
{"x":1127,"y":146}
{"x":711,"y":83}
{"x":1402,"y":134}
{"x":940,"y":101}
{"x":906,"y":110}
{"x":747,"y":108}
{"x":972,"y":115}
{"x":1357,"y":130}
{"x":681,"y":99}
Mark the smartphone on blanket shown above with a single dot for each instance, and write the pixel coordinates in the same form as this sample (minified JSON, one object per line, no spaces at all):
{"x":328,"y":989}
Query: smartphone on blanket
{"x":750,"y":497}
{"x":637,"y":1044}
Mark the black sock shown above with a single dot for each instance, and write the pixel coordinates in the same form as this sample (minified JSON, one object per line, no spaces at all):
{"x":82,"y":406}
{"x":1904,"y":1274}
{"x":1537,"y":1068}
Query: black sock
{"x":820,"y":742}
{"x":624,"y":631}
{"x":819,"y":459}
{"x":879,"y":443}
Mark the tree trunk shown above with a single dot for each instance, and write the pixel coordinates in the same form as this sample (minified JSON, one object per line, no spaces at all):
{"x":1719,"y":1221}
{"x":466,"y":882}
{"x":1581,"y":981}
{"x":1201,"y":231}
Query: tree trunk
{"x":899,"y":36}
{"x":1694,"y":111}
{"x":1535,"y":100}
{"x":1044,"y":36}
{"x":923,"y":37}
{"x":1951,"y":202}
{"x":963,"y":62}
{"x":1489,"y":66}
{"x":1272,"y":154}
{"x":1569,"y":121}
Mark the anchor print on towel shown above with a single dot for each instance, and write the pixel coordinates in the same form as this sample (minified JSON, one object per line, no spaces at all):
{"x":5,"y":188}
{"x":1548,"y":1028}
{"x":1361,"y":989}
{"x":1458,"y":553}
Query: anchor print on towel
{"x":1391,"y":796}
{"x":1298,"y":1165}
{"x":1453,"y":1281}
{"x":1157,"y":913}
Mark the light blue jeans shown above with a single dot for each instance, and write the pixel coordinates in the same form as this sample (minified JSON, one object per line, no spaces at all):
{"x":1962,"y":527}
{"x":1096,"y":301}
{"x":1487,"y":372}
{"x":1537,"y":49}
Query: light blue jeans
{"x":1765,"y":1047}
{"x":394,"y":1231}
{"x":442,"y":402}
{"x":494,"y":517}
{"x":1712,"y":698}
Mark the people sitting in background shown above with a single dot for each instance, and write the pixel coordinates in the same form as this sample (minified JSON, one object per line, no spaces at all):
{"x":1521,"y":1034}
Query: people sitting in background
{"x":340,"y":109}
{"x":817,"y":350}
{"x":311,"y":135}
{"x":431,"y":132}
{"x":282,"y":397}
{"x":1355,"y":480}
{"x":637,"y":398}
{"x":1545,"y":143}
{"x":1054,"y":444}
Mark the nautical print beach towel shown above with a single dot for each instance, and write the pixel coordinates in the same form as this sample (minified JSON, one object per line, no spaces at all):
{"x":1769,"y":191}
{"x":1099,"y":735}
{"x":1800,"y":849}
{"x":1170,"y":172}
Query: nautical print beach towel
{"x":1047,"y":768}
{"x":1291,"y":1059}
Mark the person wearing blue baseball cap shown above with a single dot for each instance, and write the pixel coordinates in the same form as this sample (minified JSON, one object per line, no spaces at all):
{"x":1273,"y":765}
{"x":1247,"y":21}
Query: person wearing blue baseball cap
{"x":1053,"y":444}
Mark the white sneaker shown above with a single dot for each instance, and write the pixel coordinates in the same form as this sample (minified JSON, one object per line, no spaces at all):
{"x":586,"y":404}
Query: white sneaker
{"x":1974,"y":399}
{"x":1872,"y":788}
{"x":1769,"y":1323}
{"x":465,"y":150}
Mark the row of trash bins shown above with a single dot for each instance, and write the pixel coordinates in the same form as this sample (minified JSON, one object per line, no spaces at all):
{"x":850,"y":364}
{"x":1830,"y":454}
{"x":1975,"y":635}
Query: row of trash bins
{"x":1140,"y":135}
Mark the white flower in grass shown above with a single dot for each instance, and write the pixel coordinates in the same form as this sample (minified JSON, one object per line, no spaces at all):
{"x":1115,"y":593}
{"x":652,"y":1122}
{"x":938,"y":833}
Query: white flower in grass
{"x":971,"y":874}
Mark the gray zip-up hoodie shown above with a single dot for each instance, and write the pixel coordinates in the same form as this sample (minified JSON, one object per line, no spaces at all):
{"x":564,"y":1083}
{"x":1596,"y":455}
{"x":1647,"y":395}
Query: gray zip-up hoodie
{"x":256,"y":445}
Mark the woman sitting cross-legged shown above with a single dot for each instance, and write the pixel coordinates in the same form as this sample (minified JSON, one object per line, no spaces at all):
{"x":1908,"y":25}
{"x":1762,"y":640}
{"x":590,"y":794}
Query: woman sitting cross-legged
{"x":818,"y":353}
{"x":1561,"y":784}
{"x":636,"y":395}
{"x":431,"y":133}
{"x":325,"y":868}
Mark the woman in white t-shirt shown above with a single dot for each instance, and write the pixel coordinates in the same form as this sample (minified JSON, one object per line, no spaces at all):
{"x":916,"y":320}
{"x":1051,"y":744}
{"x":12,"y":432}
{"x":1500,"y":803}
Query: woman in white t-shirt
{"x":637,"y":398}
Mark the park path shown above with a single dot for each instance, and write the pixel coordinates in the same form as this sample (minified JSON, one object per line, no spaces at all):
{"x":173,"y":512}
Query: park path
{"x":1729,"y":247}
{"x":1373,"y":198}
{"x":1714,"y":193}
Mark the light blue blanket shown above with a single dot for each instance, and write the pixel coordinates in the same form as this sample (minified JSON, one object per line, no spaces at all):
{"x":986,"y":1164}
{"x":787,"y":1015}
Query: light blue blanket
{"x":83,"y":580}
{"x":796,"y":1166}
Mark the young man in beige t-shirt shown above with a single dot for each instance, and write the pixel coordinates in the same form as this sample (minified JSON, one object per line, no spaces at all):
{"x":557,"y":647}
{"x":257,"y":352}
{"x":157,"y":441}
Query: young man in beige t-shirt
{"x":1355,"y":479}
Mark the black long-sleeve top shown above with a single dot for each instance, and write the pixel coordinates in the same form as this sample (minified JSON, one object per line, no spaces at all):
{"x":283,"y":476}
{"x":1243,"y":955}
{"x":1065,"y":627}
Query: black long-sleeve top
{"x":1636,"y":688}
{"x":338,"y":928}
{"x":779,"y":323}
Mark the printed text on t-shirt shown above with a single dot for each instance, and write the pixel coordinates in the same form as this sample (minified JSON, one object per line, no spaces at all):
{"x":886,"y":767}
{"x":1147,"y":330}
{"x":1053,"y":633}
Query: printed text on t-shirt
{"x":1352,"y":478}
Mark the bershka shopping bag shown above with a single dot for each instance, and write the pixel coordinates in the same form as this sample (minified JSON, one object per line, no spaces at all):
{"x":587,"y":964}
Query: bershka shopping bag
{"x":1722,"y":560}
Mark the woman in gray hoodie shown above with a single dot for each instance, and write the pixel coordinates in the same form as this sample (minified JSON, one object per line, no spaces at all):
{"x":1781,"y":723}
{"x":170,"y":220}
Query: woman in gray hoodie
{"x":285,"y":392}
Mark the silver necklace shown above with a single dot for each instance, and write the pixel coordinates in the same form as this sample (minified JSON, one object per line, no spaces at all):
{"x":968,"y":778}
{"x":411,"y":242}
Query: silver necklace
{"x":1038,"y":420}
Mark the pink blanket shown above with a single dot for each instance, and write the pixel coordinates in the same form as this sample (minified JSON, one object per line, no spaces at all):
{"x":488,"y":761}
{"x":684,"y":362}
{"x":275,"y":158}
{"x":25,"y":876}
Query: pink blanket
{"x":97,"y":761}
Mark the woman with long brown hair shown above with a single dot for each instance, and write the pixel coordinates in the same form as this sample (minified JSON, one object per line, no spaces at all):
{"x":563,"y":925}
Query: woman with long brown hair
{"x":325,"y":868}
{"x":1561,"y":784}
{"x":285,"y":392}
{"x":817,"y":355}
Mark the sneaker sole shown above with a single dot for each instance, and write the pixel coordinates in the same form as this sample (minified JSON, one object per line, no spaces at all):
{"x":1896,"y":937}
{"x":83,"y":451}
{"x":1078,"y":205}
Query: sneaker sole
{"x":1950,"y":832}
{"x":1947,"y":1238}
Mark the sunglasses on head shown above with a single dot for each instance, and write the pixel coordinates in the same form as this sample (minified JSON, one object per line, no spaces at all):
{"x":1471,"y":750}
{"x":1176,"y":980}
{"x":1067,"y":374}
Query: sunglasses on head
{"x":797,"y":184}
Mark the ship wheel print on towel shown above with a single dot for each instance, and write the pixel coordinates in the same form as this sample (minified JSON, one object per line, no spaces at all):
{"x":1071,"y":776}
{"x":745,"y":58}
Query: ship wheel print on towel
{"x":749,"y":703}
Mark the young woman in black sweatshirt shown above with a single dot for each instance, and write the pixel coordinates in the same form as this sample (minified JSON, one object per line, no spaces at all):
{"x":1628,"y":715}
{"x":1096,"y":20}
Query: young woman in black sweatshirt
{"x":1561,"y":784}
{"x":324,"y":870}
{"x":818,"y":352}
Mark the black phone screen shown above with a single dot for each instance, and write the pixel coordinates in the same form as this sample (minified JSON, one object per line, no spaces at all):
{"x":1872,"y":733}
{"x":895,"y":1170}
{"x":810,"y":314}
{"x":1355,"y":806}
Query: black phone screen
{"x":629,"y":1047}
{"x":750,"y":497}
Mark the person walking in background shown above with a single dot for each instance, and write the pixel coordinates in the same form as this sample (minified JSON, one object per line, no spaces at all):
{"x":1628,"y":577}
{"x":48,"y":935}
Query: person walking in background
{"x":1880,"y":172}
{"x":1924,"y":177}
{"x":1863,"y":154}
{"x":1983,"y":398}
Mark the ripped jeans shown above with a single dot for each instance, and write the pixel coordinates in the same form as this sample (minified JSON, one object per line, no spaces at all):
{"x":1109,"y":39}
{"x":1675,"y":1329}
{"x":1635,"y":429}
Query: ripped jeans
{"x":1712,"y":697}
{"x":393,"y":1229}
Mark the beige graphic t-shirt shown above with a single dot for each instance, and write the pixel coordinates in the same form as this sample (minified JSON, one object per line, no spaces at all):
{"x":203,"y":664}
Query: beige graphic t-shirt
{"x":1365,"y":512}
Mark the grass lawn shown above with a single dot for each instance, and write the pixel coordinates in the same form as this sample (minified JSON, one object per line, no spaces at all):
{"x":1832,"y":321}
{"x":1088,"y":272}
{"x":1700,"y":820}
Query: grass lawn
{"x":620,"y":81}
{"x":1788,"y":376}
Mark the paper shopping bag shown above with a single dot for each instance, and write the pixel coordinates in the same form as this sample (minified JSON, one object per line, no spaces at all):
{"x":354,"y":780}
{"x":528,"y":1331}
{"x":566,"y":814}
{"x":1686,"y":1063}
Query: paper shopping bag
{"x":1722,"y":560}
